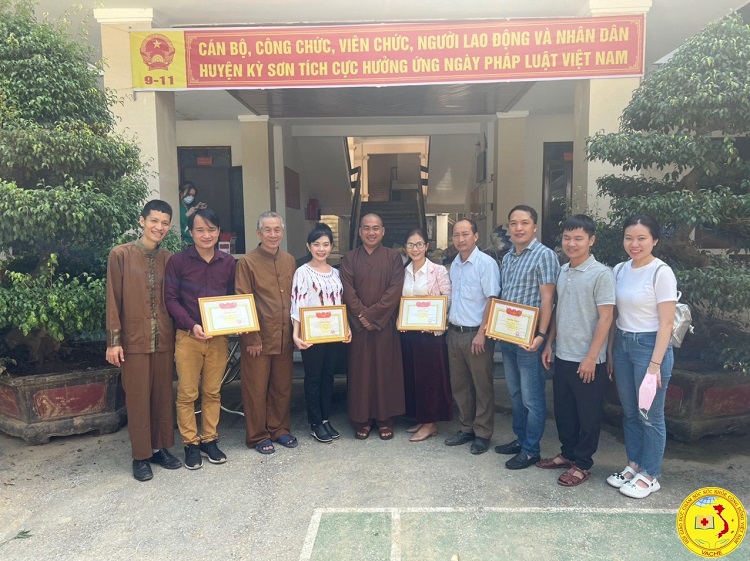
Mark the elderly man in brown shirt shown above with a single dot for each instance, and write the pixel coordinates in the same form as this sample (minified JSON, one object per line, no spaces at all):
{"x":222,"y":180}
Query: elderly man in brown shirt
{"x":266,"y":272}
{"x":140,"y":340}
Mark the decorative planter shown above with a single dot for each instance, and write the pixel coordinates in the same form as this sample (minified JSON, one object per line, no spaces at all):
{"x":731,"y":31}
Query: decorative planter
{"x":698,"y":403}
{"x":36,"y":408}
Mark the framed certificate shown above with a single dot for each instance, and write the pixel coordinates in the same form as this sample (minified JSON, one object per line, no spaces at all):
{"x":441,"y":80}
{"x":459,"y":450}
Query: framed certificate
{"x":225,"y":315}
{"x":511,"y":322}
{"x":323,"y":324}
{"x":422,"y":313}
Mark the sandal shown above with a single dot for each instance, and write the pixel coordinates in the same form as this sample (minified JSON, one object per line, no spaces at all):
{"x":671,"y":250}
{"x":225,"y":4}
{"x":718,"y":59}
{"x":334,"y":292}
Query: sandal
{"x":554,"y":463}
{"x":386,"y":433}
{"x":619,"y":479}
{"x":265,"y":447}
{"x":362,"y":433}
{"x":573,"y":477}
{"x":287,"y":441}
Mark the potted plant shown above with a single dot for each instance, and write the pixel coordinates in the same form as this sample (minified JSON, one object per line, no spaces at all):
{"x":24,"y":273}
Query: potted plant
{"x":69,"y":188}
{"x":686,"y":131}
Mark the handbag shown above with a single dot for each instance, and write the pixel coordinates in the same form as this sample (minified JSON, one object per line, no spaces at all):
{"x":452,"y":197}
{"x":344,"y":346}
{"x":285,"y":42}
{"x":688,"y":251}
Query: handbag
{"x":683,"y":317}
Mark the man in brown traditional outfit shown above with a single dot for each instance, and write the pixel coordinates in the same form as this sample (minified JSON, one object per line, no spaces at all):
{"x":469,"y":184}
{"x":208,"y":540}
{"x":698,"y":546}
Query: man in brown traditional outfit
{"x":140,"y":340}
{"x":373,"y":277}
{"x":266,"y":272}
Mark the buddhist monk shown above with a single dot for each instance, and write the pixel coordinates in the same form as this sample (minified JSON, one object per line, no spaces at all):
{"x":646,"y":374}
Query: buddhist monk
{"x":373,"y":277}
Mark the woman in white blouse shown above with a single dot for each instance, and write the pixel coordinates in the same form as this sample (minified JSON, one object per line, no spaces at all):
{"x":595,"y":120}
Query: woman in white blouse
{"x":316,"y":283}
{"x":425,"y":354}
{"x":646,"y":295}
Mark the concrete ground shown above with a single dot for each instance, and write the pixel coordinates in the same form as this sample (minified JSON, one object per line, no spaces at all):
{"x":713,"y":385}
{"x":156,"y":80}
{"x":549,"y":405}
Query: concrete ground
{"x":349,"y":500}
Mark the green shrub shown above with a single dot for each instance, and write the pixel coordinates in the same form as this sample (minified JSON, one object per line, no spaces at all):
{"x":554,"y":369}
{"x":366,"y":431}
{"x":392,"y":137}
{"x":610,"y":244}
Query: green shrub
{"x":686,"y":129}
{"x":69,"y":186}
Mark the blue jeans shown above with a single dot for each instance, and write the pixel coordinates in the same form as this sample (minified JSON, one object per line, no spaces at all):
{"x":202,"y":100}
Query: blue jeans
{"x":644,"y":440}
{"x":525,"y":378}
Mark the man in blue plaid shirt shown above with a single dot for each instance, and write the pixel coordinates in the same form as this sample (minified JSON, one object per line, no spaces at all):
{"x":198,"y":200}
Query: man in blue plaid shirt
{"x":527,"y":276}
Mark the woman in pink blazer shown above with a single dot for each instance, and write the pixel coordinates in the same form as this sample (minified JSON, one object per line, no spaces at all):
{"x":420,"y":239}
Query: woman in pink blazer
{"x":425,"y":354}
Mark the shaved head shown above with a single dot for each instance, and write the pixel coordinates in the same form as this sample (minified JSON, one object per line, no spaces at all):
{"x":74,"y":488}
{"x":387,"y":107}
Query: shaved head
{"x":370,"y":215}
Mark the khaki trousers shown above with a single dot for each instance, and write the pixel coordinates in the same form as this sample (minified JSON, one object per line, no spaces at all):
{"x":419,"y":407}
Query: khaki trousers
{"x":200,"y":368}
{"x":147,"y":381}
{"x":266,"y":395}
{"x":471,"y":383}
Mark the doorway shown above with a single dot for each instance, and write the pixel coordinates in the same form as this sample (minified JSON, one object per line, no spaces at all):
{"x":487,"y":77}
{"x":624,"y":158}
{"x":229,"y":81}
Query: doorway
{"x":219,"y":185}
{"x":557,"y":189}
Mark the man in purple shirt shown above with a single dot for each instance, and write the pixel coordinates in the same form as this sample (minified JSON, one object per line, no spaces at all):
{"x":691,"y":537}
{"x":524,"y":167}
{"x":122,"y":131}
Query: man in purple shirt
{"x":197,"y":272}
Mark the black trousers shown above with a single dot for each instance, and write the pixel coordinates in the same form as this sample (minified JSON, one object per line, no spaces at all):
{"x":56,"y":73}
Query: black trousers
{"x":321,"y":362}
{"x":578,"y":411}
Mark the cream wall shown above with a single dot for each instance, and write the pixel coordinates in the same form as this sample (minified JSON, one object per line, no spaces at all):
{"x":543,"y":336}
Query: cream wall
{"x":541,"y":129}
{"x":452,"y":171}
{"x":297,"y":227}
{"x":211,"y":133}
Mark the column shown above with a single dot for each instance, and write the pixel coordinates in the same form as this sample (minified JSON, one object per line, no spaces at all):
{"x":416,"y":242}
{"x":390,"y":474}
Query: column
{"x":598,"y":106}
{"x":149,"y":116}
{"x":510,"y":178}
{"x":258,"y":174}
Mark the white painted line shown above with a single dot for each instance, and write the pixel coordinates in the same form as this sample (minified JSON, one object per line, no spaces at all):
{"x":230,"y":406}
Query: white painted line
{"x":395,"y":535}
{"x":312,"y":533}
{"x":531,"y":509}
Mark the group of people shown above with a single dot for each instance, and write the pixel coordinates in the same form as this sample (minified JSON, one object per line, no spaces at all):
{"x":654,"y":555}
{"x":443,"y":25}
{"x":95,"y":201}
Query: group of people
{"x":593,"y":323}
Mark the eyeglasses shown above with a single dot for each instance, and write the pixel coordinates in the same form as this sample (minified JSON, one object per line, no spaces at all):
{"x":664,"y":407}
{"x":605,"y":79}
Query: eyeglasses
{"x":418,"y":245}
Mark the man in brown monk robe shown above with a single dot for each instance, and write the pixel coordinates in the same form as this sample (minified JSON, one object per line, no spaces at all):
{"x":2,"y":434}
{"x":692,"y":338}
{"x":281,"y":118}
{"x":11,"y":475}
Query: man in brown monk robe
{"x":140,"y":340}
{"x":373,"y":276}
{"x":266,"y":383}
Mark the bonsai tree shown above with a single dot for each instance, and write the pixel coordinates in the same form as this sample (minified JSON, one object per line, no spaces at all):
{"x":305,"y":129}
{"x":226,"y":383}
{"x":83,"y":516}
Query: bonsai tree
{"x":69,"y":186}
{"x":686,"y":130}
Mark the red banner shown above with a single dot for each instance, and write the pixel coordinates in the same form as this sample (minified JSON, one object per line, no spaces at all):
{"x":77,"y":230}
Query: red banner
{"x":398,"y":54}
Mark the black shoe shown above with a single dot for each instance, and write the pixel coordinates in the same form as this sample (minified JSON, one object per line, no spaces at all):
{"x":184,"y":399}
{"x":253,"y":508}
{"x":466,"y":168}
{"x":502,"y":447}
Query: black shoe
{"x":193,"y":457}
{"x":521,"y":461}
{"x":332,"y":431}
{"x":320,"y":434}
{"x":510,"y":448}
{"x":165,"y":459}
{"x":459,"y":438}
{"x":480,"y":445}
{"x":212,"y":452}
{"x":142,"y":470}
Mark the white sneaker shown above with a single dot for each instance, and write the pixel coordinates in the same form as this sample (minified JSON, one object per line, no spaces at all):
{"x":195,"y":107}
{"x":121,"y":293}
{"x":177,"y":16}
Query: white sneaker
{"x":635,"y":491}
{"x":617,"y":480}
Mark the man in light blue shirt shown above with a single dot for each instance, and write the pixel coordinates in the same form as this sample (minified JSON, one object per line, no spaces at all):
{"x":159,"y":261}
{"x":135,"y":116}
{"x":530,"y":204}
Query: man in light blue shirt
{"x":528,"y":277}
{"x":475,"y":278}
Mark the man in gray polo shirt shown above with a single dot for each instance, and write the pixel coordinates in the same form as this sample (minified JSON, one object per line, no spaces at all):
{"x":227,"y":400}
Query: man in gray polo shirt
{"x":584,"y":312}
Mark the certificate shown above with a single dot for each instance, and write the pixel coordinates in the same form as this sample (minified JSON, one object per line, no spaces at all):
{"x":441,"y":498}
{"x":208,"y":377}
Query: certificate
{"x":512,"y":322}
{"x":224,"y":315}
{"x":323,"y":324}
{"x":422,"y":313}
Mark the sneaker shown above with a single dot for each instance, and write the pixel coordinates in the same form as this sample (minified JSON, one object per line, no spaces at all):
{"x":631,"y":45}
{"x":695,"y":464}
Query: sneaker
{"x":332,"y":431}
{"x":212,"y":452}
{"x":193,"y":457}
{"x":320,"y":433}
{"x":165,"y":459}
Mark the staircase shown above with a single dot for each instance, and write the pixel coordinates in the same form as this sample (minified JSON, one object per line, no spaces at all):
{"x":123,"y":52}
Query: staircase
{"x":398,"y":218}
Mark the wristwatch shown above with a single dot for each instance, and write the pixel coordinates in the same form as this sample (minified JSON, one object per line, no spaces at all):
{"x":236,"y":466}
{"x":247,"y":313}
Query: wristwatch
{"x":542,"y":335}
